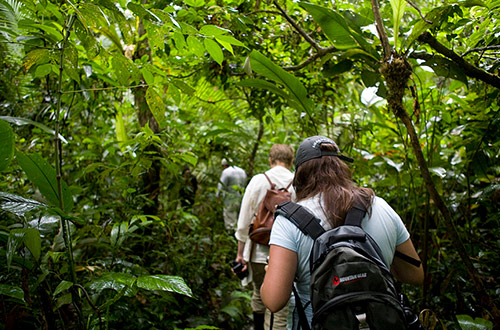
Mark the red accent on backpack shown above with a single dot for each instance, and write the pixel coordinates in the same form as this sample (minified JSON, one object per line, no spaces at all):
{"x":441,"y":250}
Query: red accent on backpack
{"x":260,"y":229}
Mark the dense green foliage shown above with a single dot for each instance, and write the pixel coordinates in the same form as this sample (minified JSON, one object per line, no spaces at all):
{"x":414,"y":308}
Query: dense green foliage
{"x":103,"y":103}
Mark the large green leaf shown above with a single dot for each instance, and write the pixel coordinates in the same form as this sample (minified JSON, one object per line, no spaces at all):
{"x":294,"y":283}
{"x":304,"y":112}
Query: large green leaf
{"x":398,"y":10}
{"x":143,"y":12}
{"x":63,"y":286}
{"x":6,"y":145}
{"x":164,"y":283}
{"x":118,"y":233}
{"x":297,"y":92}
{"x":38,"y":57}
{"x":114,"y":281}
{"x":17,"y":204}
{"x":446,"y":68}
{"x":127,"y":282}
{"x":15,"y":240}
{"x":333,"y":24}
{"x":30,"y":237}
{"x":23,"y":121}
{"x":466,"y":322}
{"x":259,"y":83}
{"x":435,"y":17}
{"x":71,"y":62}
{"x":43,"y":176}
{"x":12,"y":291}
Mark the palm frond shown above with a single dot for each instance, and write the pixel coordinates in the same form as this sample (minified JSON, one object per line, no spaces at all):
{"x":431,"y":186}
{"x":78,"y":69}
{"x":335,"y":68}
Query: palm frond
{"x":11,"y":11}
{"x":217,"y":100}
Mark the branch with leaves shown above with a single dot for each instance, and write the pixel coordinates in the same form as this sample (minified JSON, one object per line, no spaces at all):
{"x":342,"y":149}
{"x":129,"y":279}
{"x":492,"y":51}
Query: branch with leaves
{"x":469,"y":69}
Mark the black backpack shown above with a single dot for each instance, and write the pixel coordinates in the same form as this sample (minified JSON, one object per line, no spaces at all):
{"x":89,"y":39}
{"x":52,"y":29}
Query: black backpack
{"x":350,"y":287}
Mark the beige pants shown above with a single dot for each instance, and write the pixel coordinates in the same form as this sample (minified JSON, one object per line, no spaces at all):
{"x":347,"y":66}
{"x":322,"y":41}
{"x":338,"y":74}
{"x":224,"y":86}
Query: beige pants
{"x":258,"y":306}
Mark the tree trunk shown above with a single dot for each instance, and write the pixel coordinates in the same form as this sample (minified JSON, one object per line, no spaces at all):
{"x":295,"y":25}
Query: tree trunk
{"x":151,"y":179}
{"x":396,"y":74}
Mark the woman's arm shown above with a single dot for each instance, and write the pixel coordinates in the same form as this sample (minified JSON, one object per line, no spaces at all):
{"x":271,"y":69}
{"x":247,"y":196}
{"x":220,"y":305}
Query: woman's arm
{"x":404,"y":271}
{"x":277,"y":287}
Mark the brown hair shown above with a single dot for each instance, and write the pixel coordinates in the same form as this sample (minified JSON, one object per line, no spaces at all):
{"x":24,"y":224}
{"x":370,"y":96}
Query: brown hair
{"x":282,"y":153}
{"x":331,"y":178}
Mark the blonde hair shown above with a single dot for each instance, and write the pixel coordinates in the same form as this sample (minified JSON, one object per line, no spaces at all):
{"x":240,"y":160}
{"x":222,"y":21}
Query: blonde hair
{"x":281,"y":153}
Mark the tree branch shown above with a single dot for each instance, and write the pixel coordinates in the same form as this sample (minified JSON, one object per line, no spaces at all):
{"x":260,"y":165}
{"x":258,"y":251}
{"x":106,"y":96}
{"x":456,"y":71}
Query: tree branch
{"x":469,"y":69}
{"x":381,"y":30}
{"x":311,"y":59}
{"x":420,"y":12}
{"x":297,"y":27}
{"x":481,"y":49}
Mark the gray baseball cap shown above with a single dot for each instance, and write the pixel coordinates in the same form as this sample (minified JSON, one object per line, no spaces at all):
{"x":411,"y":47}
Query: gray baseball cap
{"x":310,"y":149}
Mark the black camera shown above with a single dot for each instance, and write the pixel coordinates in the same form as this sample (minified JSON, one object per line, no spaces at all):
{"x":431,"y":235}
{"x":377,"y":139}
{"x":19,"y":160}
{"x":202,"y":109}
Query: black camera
{"x":237,"y":269}
{"x":412,"y":320}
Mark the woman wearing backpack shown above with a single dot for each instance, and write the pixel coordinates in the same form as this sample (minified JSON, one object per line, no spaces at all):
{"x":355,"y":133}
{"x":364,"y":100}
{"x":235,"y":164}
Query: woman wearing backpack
{"x":323,"y":185}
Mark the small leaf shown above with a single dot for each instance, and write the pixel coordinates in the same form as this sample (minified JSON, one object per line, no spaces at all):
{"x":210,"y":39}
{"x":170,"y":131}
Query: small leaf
{"x":164,"y":283}
{"x":185,"y":88}
{"x":33,"y":241}
{"x":115,"y":234}
{"x":180,"y":42}
{"x":214,"y":50}
{"x":230,"y":40}
{"x":63,"y":300}
{"x":155,"y":104}
{"x":43,"y":70}
{"x":213,"y":30}
{"x":225,"y":44}
{"x":195,"y":46}
{"x":121,"y":133}
{"x":148,"y":76}
{"x":6,"y":145}
{"x":63,"y":286}
{"x":12,"y":291}
{"x":36,"y":56}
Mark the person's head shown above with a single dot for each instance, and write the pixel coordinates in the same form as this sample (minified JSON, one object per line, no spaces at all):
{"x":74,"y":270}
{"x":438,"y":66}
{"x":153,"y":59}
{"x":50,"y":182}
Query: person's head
{"x":224,"y":163}
{"x":320,"y":169}
{"x":186,"y":171}
{"x":281,"y":154}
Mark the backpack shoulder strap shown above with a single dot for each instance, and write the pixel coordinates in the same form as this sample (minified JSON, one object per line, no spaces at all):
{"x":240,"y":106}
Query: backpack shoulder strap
{"x":289,"y":185}
{"x":355,"y":215}
{"x":300,"y":217}
{"x":269,"y":180}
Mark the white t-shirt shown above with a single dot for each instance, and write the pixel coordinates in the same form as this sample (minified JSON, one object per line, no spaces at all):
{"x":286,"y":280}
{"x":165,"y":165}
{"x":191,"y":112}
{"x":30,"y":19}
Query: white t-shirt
{"x":384,"y":226}
{"x":231,"y":176}
{"x":254,"y":194}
